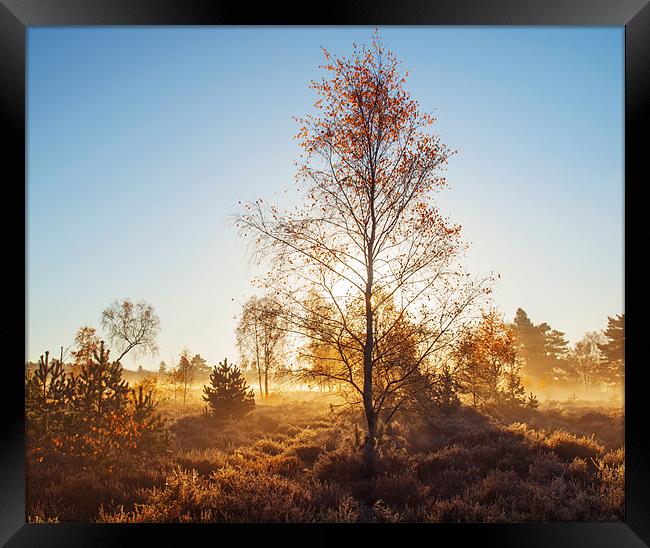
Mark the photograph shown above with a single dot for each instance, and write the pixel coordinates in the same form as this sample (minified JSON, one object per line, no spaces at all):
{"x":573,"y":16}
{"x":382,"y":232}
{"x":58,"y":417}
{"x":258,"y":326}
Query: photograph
{"x":337,"y":274}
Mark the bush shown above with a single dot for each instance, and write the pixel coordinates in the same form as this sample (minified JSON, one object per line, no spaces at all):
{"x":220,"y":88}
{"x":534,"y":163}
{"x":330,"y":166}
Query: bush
{"x":269,"y":447}
{"x":611,"y":475}
{"x":568,"y":447}
{"x":69,"y":490}
{"x":228,"y":495}
{"x":308,"y":454}
{"x":457,"y":510}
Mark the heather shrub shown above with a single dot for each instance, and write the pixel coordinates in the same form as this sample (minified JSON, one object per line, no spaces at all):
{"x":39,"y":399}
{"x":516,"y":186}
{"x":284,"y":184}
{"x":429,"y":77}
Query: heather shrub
{"x":433,"y":464}
{"x":288,"y":430}
{"x":347,"y":511}
{"x":498,"y":486}
{"x":268,"y":423}
{"x":204,"y":461}
{"x":229,"y":495}
{"x":456,"y":510}
{"x":67,"y":490}
{"x":268,"y":446}
{"x":578,"y":470}
{"x":343,"y":465}
{"x":544,"y":467}
{"x":606,"y":426}
{"x":568,"y":447}
{"x":38,"y":518}
{"x":382,"y":513}
{"x":398,"y":490}
{"x":308,"y":454}
{"x":611,"y":476}
{"x":327,"y":494}
{"x":282,"y":465}
{"x":286,"y":463}
{"x":196,"y":431}
{"x":454,"y":480}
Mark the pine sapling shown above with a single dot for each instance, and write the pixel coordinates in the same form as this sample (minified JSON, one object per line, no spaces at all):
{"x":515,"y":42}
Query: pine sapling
{"x":228,"y":395}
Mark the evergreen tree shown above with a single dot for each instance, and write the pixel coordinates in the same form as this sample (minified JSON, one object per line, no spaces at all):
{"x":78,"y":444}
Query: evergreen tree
{"x":513,"y":391}
{"x":100,"y":386}
{"x":201,"y":367}
{"x":93,"y":415}
{"x":469,"y":368}
{"x":613,"y":350}
{"x":228,"y":395}
{"x":543,"y":351}
{"x":49,"y":392}
{"x":445,"y":388}
{"x":143,"y":408}
{"x":555,"y":345}
{"x":530,"y":343}
{"x":531,"y":401}
{"x":555,"y":362}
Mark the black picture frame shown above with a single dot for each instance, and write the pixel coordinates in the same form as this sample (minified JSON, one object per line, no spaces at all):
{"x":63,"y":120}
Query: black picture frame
{"x":17,"y":15}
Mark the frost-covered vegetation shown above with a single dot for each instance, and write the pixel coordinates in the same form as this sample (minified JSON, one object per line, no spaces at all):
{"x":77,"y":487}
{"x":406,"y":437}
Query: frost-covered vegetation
{"x":297,"y":459}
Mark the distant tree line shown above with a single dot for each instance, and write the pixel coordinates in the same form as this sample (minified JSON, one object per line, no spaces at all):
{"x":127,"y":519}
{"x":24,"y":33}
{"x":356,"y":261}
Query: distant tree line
{"x":548,"y":359}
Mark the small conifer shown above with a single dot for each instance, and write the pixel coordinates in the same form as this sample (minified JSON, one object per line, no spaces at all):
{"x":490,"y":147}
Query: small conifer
{"x":228,"y":395}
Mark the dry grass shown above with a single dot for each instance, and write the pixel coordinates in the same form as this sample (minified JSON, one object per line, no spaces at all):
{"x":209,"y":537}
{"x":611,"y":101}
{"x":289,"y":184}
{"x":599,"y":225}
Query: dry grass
{"x":293,"y":459}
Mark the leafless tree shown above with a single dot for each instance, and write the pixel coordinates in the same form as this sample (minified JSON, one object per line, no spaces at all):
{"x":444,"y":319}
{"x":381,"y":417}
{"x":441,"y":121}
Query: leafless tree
{"x":587,"y":357}
{"x":186,"y":371}
{"x":261,"y":335}
{"x":131,"y":326}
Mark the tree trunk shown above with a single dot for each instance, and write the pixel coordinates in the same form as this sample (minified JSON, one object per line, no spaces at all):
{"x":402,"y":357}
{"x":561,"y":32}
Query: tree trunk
{"x":369,"y":450}
{"x":45,"y":409}
{"x":257,"y":361}
{"x":371,"y":416}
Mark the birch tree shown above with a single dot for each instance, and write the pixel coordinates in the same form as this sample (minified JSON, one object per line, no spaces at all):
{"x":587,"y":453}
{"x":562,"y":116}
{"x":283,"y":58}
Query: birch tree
{"x":368,"y":233}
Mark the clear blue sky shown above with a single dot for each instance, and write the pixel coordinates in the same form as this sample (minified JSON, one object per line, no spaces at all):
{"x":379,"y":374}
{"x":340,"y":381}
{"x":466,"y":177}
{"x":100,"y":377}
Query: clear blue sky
{"x":141,"y":141}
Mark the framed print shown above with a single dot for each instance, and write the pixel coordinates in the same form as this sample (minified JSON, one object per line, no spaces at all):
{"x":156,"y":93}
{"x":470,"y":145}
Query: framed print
{"x":364,"y":274}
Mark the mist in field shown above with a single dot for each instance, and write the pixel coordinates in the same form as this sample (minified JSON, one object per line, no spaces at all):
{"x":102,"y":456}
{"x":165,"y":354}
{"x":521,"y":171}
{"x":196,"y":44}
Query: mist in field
{"x":288,"y":445}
